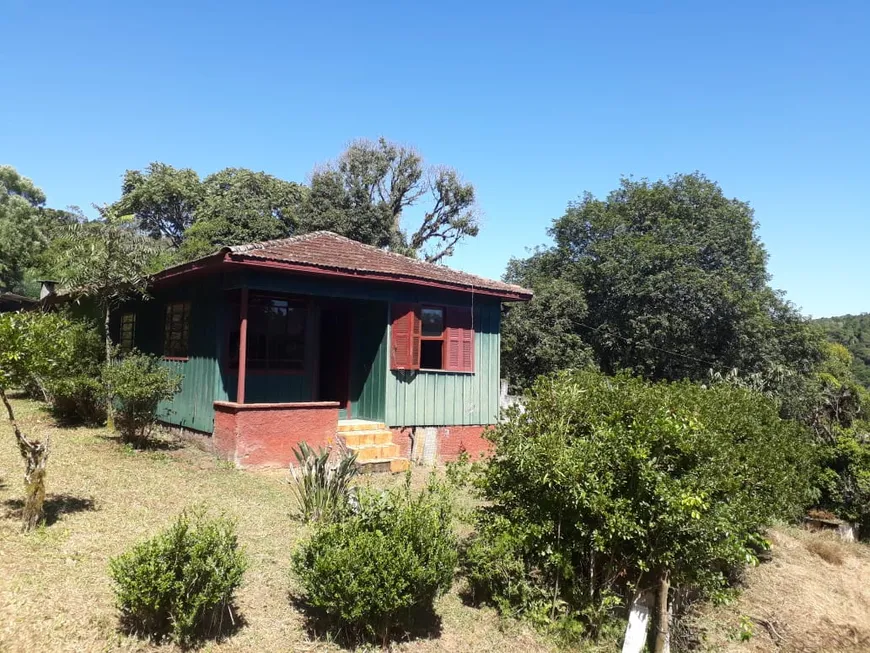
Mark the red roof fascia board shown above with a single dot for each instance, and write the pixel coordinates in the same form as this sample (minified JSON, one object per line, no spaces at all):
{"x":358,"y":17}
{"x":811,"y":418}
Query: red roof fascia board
{"x":185,"y":269}
{"x":238,"y":260}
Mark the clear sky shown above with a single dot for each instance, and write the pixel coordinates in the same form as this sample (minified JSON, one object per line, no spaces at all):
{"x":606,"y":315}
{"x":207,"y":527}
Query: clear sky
{"x":532,"y":102}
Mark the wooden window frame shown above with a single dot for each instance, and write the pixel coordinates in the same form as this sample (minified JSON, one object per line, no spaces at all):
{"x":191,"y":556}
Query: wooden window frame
{"x":185,"y":331}
{"x":232,"y":360}
{"x":406,"y":345}
{"x":131,"y":319}
{"x":442,"y":338}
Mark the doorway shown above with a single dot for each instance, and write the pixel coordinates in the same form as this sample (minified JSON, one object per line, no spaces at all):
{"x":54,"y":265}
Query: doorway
{"x":335,"y":350}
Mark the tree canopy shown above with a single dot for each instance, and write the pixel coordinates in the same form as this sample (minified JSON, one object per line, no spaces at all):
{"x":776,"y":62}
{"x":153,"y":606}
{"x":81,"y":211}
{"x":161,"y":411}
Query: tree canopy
{"x":20,"y":237}
{"x":27,"y":228}
{"x":365,"y":195}
{"x":163,"y":199}
{"x":240,"y":206}
{"x":853,"y":332}
{"x":674,"y":279}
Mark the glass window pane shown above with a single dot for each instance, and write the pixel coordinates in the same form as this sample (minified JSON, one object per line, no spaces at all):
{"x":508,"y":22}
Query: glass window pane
{"x":433,"y":321}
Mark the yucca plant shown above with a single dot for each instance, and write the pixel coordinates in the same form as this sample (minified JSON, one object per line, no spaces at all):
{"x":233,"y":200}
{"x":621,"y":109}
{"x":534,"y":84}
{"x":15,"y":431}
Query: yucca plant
{"x":322,"y":486}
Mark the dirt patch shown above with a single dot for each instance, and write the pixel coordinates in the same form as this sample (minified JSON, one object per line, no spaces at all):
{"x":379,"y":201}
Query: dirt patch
{"x":814,"y":595}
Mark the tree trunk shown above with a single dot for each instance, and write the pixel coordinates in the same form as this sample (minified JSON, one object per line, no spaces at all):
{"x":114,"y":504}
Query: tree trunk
{"x":110,"y":408}
{"x":662,"y":644}
{"x":35,"y":456}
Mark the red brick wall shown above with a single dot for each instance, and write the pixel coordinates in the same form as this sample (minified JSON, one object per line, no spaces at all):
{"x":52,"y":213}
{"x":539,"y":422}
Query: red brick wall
{"x":451,"y":441}
{"x":264,"y":435}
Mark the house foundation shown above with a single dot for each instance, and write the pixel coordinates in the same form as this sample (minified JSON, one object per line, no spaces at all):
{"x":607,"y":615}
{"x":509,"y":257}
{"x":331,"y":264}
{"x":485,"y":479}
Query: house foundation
{"x":428,"y":444}
{"x":264,"y":435}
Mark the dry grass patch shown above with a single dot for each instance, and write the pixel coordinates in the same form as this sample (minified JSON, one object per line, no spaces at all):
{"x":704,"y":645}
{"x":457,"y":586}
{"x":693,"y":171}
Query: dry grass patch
{"x":813,"y":595}
{"x":828,"y":550}
{"x":55,"y":591}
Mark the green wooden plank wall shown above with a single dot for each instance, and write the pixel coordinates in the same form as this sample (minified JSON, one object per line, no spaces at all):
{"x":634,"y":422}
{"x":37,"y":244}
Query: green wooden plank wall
{"x":270,"y":388}
{"x":193,"y":406}
{"x":369,"y":361}
{"x":452,"y":399}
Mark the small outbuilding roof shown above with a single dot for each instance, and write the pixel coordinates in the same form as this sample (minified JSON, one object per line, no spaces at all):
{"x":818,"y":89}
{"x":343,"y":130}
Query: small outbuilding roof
{"x":324,"y":252}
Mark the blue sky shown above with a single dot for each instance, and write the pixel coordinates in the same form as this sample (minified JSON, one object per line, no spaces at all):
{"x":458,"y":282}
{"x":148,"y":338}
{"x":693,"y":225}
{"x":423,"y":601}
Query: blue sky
{"x":533,"y":103}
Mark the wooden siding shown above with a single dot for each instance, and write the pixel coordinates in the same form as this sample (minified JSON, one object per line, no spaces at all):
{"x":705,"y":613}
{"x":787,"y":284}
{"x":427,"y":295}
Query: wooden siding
{"x":270,"y":388}
{"x":369,"y":362}
{"x":193,"y":406}
{"x":399,"y":398}
{"x":450,"y":398}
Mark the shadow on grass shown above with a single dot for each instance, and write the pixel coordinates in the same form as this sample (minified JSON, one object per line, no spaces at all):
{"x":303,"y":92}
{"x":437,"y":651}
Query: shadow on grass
{"x":147,"y":444}
{"x":420,"y":623}
{"x":54,"y":507}
{"x":223,"y":625}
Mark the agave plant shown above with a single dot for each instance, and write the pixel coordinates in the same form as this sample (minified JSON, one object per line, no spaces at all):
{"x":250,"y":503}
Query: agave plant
{"x":321,"y":486}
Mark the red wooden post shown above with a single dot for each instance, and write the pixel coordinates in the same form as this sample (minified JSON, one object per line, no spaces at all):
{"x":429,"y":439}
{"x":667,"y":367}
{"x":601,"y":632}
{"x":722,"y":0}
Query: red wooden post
{"x":243,"y":347}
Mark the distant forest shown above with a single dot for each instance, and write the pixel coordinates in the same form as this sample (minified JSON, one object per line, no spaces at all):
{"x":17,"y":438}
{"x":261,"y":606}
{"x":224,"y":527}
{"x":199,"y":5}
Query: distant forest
{"x":853,"y":332}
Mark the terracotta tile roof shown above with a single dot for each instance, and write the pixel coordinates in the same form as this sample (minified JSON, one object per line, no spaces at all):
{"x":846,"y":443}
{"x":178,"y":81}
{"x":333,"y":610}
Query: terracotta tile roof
{"x":326,"y":251}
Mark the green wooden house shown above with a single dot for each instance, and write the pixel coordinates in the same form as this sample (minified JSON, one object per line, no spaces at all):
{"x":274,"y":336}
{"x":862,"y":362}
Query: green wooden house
{"x":317,"y":337}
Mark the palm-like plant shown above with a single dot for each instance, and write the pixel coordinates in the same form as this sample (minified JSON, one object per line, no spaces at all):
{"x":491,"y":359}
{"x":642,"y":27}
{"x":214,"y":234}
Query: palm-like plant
{"x":321,"y":486}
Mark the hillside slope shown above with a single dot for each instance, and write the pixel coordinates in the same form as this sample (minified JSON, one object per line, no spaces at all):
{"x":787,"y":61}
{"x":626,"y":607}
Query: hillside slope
{"x":814,"y":595}
{"x":853,"y":332}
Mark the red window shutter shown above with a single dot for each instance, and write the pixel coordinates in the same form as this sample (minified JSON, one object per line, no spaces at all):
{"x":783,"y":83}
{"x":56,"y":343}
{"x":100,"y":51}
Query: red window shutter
{"x":460,"y":340}
{"x":404,"y":337}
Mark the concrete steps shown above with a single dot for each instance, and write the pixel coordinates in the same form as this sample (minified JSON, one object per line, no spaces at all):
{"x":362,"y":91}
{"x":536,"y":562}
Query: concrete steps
{"x":373,"y":444}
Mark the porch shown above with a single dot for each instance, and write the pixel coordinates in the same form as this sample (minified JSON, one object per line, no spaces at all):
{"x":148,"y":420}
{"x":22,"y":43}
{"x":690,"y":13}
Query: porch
{"x":265,"y":435}
{"x":282,"y":348}
{"x":306,"y":369}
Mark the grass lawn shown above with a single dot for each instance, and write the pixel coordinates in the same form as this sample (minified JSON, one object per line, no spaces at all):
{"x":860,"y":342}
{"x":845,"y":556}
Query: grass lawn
{"x":55,"y":591}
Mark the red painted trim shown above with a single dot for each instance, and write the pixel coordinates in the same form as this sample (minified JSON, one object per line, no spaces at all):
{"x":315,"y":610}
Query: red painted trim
{"x":243,"y":346}
{"x":232,"y":405}
{"x":198,"y":265}
{"x":238,"y":261}
{"x":225,"y":258}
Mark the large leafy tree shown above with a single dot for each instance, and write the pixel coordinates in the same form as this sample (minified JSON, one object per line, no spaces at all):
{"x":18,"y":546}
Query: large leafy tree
{"x":675,"y":282}
{"x":543,"y":335}
{"x":163,"y":199}
{"x":20,"y":236}
{"x":853,"y":332}
{"x":366,"y":193}
{"x":27,"y":230}
{"x":242,"y":206}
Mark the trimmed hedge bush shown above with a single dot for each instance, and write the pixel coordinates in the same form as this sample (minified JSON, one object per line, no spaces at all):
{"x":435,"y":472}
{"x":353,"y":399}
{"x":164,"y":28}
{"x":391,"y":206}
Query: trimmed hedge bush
{"x":180,"y":584}
{"x":79,"y":399}
{"x":384,"y":566}
{"x":138,"y":383}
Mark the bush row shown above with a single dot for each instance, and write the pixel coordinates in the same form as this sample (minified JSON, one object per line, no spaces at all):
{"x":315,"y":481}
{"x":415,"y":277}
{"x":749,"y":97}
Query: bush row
{"x":62,"y":360}
{"x":376,"y":568}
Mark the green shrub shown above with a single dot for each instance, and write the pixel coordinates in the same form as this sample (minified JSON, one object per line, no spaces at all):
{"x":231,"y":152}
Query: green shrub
{"x":605,"y":484}
{"x":384,"y":566}
{"x":79,"y":399}
{"x":138,"y":383}
{"x":180,"y":583}
{"x":844,"y":479}
{"x":322,"y":487}
{"x":40,"y":350}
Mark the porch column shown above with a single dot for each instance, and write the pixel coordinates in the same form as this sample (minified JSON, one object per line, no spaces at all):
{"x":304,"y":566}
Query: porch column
{"x":243,"y":347}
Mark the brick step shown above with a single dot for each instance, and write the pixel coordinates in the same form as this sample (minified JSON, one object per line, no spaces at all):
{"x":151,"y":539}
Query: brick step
{"x":384,"y":465}
{"x":361,"y":438}
{"x":375,"y":451}
{"x":347,"y":426}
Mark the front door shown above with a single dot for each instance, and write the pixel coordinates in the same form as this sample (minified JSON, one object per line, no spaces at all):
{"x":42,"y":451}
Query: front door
{"x":335,"y":349}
